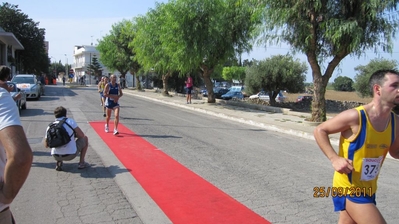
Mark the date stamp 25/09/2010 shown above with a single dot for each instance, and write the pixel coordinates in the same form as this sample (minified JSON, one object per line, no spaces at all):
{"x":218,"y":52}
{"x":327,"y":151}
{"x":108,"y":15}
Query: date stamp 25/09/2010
{"x":325,"y":192}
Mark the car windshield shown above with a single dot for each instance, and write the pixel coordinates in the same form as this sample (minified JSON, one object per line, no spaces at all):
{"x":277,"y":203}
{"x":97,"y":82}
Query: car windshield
{"x":29,"y":80}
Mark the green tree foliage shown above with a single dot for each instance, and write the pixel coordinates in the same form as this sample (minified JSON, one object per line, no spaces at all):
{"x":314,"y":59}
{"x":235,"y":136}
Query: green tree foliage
{"x":274,"y":74}
{"x":343,"y":83}
{"x":33,"y":59}
{"x":365,"y":71}
{"x":56,"y":68}
{"x":116,"y":54}
{"x":206,"y":33}
{"x":155,"y":48}
{"x":328,"y":31}
{"x":94,"y":67}
{"x":234,"y":72}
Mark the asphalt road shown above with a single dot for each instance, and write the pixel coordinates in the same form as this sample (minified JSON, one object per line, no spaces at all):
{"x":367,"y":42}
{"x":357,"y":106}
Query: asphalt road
{"x":273,"y":174}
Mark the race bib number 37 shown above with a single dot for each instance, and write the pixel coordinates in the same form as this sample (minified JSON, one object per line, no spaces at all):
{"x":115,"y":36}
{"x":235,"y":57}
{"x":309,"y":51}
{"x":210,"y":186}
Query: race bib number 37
{"x":370,"y":168}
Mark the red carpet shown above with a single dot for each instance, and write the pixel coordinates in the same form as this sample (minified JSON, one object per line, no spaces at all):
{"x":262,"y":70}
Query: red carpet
{"x":184,"y":196}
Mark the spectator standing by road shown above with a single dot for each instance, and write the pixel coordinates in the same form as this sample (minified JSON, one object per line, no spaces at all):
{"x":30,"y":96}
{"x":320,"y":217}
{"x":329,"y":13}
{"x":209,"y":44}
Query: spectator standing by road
{"x":42,"y":84}
{"x":122,"y":82}
{"x":367,"y":134}
{"x":77,"y":146}
{"x":15,"y":153}
{"x":63,"y":80}
{"x":189,"y":86}
{"x":112,"y":92}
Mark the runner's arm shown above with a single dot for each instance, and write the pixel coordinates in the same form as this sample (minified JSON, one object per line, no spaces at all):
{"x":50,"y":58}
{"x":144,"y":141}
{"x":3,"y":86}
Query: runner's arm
{"x":106,"y":90}
{"x":99,"y":86}
{"x":340,"y":123}
{"x":394,"y":149}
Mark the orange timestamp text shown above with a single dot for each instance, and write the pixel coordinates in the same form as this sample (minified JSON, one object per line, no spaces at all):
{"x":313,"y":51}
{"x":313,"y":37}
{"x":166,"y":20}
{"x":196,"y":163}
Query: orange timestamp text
{"x":325,"y":192}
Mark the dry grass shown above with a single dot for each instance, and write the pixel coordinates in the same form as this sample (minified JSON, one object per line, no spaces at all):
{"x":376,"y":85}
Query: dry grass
{"x":333,"y":95}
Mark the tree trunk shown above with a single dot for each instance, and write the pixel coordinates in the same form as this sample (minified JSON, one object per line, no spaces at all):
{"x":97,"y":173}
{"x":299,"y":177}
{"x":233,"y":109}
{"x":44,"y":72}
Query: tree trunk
{"x":165,"y":78}
{"x":319,"y":113}
{"x":320,"y":82}
{"x":138,"y":82}
{"x":209,"y":85}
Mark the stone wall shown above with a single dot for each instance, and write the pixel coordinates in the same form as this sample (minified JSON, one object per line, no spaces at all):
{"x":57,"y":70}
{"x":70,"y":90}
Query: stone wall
{"x":332,"y":106}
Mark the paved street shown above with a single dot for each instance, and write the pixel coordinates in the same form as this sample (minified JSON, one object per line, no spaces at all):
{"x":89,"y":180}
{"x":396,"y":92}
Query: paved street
{"x":266,"y":160}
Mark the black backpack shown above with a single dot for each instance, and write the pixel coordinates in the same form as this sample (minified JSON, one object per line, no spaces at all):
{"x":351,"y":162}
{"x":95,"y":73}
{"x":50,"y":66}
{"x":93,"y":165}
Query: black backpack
{"x":57,"y":135}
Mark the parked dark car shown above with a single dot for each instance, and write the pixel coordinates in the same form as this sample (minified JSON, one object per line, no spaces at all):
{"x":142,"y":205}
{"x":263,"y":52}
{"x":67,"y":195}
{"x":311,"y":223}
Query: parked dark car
{"x":219,"y":92}
{"x":205,"y":93}
{"x":304,"y":98}
{"x":233,"y":95}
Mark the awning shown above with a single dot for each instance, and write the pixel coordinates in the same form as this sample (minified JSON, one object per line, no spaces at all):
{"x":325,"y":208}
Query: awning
{"x":10,"y":39}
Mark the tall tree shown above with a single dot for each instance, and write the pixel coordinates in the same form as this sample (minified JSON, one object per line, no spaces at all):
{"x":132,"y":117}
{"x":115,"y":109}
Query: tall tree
{"x":154,"y":50}
{"x":234,"y":72}
{"x":94,"y":67}
{"x":343,"y":83}
{"x":115,"y":51}
{"x":328,"y":31}
{"x":206,"y":33}
{"x":280,"y":72}
{"x":33,"y":59}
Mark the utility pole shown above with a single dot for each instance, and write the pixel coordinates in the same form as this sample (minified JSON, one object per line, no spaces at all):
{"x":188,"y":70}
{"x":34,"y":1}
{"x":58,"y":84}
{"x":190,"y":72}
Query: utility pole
{"x":66,"y":66}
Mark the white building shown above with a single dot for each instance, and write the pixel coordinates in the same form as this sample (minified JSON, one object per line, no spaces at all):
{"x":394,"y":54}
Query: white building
{"x":83,"y":56}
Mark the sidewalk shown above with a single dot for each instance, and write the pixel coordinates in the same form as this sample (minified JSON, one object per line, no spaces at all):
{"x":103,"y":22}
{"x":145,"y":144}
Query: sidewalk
{"x":270,"y":118}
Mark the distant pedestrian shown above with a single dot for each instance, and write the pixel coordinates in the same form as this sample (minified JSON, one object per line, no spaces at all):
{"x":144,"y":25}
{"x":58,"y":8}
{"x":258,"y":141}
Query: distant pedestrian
{"x":189,"y":86}
{"x":63,"y":80}
{"x":112,"y":92}
{"x":122,"y":82}
{"x":77,"y":146}
{"x":367,"y":133}
{"x":15,"y":153}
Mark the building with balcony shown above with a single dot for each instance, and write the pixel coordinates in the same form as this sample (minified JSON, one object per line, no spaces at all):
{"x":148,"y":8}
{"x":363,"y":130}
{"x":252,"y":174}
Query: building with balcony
{"x":8,"y":45}
{"x":83,"y":56}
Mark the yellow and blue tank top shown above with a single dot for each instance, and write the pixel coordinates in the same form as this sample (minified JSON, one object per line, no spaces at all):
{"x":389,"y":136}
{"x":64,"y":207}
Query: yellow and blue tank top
{"x":102,"y":86}
{"x":367,"y":151}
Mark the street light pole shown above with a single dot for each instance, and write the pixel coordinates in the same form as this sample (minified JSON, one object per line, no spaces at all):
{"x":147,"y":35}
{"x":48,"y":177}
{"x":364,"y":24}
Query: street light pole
{"x":66,"y":66}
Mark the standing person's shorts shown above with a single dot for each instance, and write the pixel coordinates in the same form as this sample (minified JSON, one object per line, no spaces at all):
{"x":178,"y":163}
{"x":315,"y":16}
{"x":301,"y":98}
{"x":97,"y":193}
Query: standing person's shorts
{"x":80,"y":144}
{"x":189,"y":89}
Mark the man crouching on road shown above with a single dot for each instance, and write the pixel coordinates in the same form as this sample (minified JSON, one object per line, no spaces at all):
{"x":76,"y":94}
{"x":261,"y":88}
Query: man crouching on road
{"x":74,"y":147}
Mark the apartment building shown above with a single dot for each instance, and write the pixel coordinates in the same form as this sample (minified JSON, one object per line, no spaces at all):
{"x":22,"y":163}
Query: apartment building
{"x":83,"y":55}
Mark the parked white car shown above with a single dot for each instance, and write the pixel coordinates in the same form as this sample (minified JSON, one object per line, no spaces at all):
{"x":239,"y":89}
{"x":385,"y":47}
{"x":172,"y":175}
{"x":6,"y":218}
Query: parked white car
{"x":29,"y":84}
{"x":265,"y":96}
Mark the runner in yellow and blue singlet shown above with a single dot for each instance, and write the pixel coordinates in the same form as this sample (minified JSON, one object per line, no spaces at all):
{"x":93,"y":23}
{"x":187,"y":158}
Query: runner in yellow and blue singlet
{"x":367,"y":151}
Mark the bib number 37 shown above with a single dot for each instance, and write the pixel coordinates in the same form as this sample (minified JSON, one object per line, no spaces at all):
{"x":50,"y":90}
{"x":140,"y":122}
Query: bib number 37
{"x":370,"y":168}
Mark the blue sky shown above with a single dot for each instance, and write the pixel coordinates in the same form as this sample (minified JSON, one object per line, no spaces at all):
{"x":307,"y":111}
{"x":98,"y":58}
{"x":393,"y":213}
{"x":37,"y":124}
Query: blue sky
{"x":77,"y":22}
